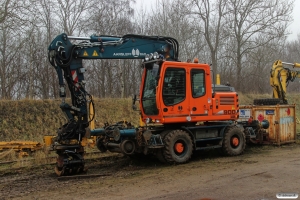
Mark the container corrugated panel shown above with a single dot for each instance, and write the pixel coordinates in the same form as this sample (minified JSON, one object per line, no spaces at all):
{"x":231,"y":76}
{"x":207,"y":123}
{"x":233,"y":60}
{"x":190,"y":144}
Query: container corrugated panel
{"x":282,"y":120}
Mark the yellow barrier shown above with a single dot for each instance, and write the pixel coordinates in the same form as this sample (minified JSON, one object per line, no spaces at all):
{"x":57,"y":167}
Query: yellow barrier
{"x":23,"y":147}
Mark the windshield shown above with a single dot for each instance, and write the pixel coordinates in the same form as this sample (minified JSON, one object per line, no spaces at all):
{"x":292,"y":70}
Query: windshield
{"x":149,"y":92}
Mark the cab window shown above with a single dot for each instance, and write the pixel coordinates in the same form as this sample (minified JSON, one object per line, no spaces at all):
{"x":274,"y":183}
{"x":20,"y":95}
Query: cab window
{"x":174,"y":86}
{"x":198,"y":82}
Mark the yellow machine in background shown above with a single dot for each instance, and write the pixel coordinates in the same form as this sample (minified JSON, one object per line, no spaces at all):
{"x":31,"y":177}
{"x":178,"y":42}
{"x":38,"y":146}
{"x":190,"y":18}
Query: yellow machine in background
{"x":24,"y":148}
{"x":280,"y":78}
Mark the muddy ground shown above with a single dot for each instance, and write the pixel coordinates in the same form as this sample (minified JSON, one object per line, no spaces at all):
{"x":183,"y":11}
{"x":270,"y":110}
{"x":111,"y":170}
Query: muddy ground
{"x":260,"y":173}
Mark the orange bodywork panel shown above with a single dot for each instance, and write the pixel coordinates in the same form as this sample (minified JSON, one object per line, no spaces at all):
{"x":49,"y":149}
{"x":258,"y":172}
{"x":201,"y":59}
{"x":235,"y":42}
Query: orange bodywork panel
{"x":194,"y":100}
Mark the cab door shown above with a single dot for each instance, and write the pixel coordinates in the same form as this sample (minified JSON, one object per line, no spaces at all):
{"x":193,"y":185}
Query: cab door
{"x":200,"y":97}
{"x":174,"y":94}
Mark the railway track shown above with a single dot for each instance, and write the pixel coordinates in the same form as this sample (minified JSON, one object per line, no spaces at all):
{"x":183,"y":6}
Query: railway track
{"x":27,"y":161}
{"x":85,"y":176}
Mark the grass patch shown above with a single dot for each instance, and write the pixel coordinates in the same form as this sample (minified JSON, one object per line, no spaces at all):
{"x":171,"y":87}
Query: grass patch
{"x":33,"y":119}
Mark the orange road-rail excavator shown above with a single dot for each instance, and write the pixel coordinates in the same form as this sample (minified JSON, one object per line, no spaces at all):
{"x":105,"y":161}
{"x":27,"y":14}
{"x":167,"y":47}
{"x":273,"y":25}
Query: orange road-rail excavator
{"x":181,"y":109}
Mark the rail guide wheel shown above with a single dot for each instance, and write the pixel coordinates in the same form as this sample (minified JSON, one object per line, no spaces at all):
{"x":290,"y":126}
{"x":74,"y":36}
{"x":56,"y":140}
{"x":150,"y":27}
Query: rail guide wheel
{"x":69,"y":162}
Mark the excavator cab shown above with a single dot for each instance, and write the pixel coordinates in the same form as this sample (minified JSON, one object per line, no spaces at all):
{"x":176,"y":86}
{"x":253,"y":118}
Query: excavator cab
{"x":182,"y":93}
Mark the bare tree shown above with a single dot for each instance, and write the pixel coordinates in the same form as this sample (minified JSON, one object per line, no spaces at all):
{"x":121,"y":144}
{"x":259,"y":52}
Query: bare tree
{"x":6,"y":9}
{"x":109,"y":18}
{"x":291,"y":53}
{"x":45,"y":31}
{"x":14,"y":23}
{"x":241,"y":38}
{"x":175,"y":22}
{"x":72,"y":13}
{"x":211,"y":15}
{"x":253,"y":24}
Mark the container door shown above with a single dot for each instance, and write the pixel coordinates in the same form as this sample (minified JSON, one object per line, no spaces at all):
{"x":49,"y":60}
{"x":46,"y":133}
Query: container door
{"x":287,"y":124}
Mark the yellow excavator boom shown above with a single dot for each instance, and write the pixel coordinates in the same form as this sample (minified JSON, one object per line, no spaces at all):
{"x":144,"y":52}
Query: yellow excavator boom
{"x":280,"y":77}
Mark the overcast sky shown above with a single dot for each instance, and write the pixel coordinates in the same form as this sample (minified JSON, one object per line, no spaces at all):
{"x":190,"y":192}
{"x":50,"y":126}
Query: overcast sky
{"x":294,"y":27}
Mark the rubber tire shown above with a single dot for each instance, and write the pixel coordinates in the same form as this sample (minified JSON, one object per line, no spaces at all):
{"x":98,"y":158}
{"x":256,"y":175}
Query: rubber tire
{"x":160,"y":152}
{"x":168,"y":151}
{"x":227,"y":148}
{"x":273,"y":101}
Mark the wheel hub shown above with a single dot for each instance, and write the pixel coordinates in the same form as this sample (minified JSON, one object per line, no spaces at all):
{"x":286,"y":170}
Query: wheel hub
{"x":179,"y":147}
{"x":235,"y":141}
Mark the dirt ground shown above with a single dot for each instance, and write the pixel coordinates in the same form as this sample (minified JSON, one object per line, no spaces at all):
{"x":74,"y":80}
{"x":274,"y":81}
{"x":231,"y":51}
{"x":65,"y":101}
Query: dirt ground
{"x":260,"y":173}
